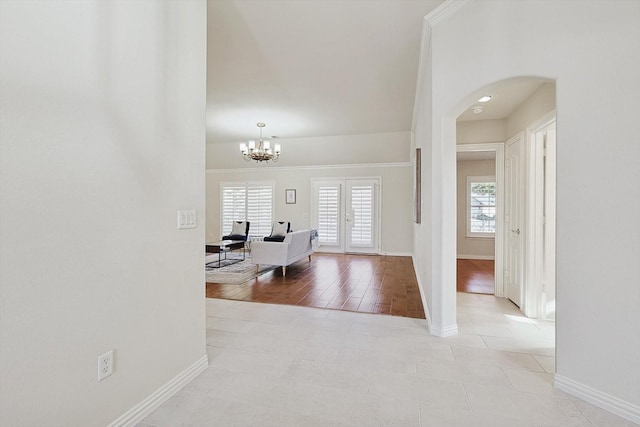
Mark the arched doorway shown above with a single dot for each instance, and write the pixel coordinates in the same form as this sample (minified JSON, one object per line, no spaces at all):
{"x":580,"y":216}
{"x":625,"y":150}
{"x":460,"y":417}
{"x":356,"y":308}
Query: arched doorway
{"x":518,"y":120}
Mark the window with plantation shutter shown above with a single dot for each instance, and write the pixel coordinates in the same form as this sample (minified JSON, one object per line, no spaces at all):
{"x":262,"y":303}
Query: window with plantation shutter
{"x":250,"y":201}
{"x":259,"y":209}
{"x":233,"y":206}
{"x":327,"y":214}
{"x":362,"y":215}
{"x":481,"y":206}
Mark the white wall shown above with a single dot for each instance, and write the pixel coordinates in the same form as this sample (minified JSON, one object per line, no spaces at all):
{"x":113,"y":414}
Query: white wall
{"x":595,"y":60}
{"x":481,"y":131}
{"x":102,"y":140}
{"x":471,"y":247}
{"x":389,"y":147}
{"x":384,"y":155}
{"x":396,"y":198}
{"x":533,"y":108}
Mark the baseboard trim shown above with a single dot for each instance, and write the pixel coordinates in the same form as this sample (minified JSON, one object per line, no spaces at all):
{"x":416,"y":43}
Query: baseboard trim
{"x":424,"y":300}
{"x":602,"y":400}
{"x":396,"y":254}
{"x":157,"y":398}
{"x":482,"y":257}
{"x":444,"y":331}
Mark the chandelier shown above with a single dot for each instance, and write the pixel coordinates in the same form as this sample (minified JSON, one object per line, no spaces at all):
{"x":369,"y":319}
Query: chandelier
{"x":261,"y":152}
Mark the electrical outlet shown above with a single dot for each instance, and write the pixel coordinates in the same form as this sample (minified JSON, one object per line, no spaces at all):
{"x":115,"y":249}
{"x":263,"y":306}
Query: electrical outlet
{"x":105,"y":365}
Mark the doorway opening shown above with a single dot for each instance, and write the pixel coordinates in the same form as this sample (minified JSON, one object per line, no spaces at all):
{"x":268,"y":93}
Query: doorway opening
{"x":506,"y":194}
{"x":480,"y":189}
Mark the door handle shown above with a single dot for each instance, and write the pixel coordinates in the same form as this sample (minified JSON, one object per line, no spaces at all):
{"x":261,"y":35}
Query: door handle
{"x":517,"y":231}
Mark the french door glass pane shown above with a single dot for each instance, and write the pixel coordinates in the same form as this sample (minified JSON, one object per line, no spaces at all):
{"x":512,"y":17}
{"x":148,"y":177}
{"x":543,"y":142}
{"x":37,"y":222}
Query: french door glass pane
{"x":328,"y":199}
{"x":362,"y":215}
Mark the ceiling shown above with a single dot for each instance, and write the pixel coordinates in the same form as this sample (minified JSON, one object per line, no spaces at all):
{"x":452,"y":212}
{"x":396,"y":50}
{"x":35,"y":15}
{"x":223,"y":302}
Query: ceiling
{"x":506,"y":96}
{"x":312,"y":68}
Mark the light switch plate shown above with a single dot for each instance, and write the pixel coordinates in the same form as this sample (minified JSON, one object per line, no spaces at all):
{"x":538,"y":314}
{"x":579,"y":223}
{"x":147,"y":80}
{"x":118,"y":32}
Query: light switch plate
{"x":186,"y":219}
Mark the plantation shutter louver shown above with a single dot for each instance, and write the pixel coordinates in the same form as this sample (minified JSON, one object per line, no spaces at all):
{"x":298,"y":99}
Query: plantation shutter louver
{"x":328,"y":198}
{"x":362,"y":215}
{"x":251,"y":202}
{"x":233,"y":206}
{"x":259,"y":209}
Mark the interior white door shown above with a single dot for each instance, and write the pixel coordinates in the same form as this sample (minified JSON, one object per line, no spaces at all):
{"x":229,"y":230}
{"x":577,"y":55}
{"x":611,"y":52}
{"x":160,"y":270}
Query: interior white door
{"x":361,"y":216}
{"x":514,"y":206}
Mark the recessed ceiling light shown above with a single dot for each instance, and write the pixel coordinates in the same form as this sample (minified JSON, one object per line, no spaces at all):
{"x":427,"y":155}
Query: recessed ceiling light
{"x":485,"y":98}
{"x":477,"y":109}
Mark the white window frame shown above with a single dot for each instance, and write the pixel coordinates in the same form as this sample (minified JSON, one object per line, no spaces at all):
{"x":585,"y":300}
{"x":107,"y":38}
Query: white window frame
{"x":253,"y":232}
{"x":476,"y":180}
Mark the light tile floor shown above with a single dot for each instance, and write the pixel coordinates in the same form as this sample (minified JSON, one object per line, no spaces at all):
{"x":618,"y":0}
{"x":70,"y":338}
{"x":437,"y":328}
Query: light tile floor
{"x":276,"y":365}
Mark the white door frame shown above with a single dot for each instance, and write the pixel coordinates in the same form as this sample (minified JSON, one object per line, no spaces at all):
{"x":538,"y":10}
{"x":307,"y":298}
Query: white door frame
{"x":498,"y":147}
{"x":533,"y":304}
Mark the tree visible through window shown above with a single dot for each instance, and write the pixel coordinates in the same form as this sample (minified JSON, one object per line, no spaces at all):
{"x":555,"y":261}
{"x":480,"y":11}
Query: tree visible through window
{"x":481,"y":206}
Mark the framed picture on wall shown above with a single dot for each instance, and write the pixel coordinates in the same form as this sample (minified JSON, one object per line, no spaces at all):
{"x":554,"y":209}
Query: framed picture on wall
{"x":290,"y":196}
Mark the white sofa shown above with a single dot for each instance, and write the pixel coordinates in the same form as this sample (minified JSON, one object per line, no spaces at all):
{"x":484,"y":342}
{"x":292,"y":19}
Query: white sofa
{"x":296,"y":245}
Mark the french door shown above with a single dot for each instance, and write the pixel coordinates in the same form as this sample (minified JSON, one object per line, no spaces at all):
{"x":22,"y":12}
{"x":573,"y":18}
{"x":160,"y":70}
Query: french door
{"x":345,"y":212}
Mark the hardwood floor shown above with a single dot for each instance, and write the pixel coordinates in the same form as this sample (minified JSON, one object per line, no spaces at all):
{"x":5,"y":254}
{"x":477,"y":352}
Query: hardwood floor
{"x":476,"y":276}
{"x":363,"y":283}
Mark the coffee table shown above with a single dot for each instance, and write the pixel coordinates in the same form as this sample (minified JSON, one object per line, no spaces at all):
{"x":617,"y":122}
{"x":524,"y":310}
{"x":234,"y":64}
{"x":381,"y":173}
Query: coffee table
{"x":223,"y":247}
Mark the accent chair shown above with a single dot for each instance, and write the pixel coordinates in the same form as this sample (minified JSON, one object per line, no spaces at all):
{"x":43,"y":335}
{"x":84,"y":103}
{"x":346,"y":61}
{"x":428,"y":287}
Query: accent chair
{"x":279,"y":231}
{"x":239,"y":231}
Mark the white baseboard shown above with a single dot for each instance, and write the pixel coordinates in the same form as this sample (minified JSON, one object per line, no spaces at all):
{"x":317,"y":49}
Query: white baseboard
{"x":436,"y":330}
{"x":444,"y":331}
{"x":157,"y":398}
{"x":607,"y":402}
{"x":396,"y":254}
{"x":326,"y":250}
{"x":483,"y":257}
{"x":424,"y":300}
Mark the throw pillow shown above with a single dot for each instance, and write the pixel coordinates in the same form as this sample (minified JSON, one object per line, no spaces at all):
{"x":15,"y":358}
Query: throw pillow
{"x":279,"y":229}
{"x":239,"y":228}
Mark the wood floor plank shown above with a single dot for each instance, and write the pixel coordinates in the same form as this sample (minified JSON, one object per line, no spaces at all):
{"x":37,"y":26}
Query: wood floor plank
{"x":363,"y":283}
{"x":476,"y":276}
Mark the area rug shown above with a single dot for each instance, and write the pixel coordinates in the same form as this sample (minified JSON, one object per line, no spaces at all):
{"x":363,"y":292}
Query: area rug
{"x":233,"y":274}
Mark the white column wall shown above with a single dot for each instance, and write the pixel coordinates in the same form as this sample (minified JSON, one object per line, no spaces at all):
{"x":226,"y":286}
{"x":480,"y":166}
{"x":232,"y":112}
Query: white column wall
{"x":592,"y":49}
